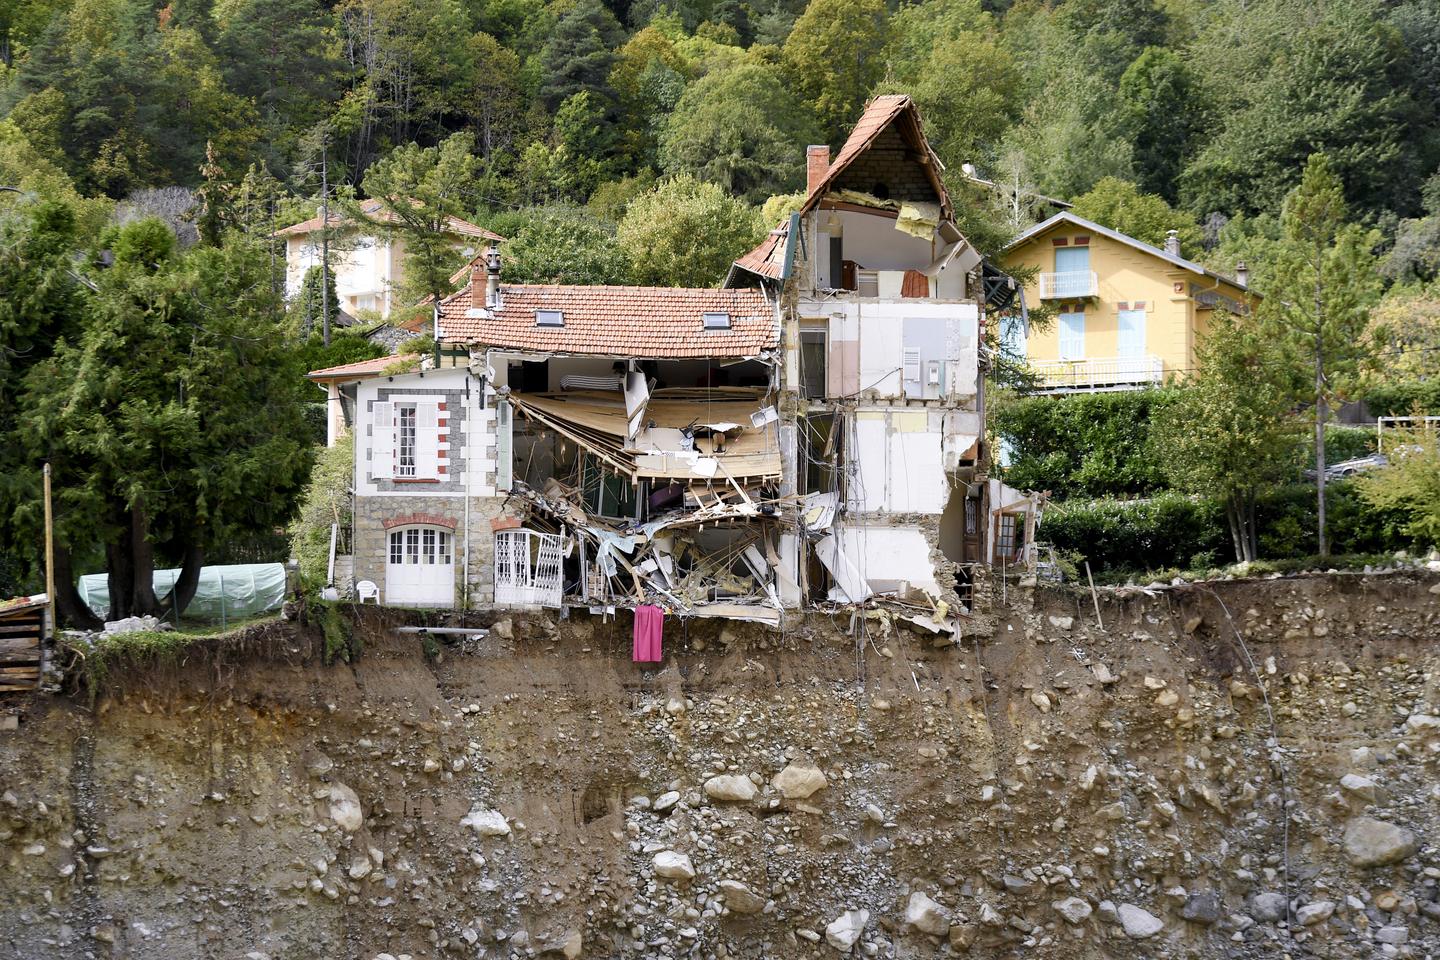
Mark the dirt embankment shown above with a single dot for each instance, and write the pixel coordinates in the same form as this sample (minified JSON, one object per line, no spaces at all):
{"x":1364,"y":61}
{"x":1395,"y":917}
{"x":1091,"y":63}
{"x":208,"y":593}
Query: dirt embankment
{"x":1054,"y":790}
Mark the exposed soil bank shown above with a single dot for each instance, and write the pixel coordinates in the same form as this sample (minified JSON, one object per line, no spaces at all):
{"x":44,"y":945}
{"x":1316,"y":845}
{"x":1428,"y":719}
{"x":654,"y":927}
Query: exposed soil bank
{"x":1051,"y":791}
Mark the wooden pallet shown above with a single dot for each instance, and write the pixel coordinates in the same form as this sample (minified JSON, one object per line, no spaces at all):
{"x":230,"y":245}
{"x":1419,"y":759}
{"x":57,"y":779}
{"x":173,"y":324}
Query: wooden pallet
{"x":22,"y":649}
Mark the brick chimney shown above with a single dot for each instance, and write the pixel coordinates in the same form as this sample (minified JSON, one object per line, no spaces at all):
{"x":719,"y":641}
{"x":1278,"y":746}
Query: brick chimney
{"x":817,"y":164}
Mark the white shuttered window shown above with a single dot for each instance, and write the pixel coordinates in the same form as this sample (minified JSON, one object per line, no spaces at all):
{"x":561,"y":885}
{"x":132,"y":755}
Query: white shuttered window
{"x":427,"y":441}
{"x":382,"y":440}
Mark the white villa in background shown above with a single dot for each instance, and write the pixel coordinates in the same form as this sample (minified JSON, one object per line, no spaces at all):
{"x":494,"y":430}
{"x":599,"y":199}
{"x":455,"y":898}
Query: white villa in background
{"x":368,"y":265}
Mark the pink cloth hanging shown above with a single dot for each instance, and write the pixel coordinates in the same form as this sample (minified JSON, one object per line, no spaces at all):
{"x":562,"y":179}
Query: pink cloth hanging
{"x":649,"y":622}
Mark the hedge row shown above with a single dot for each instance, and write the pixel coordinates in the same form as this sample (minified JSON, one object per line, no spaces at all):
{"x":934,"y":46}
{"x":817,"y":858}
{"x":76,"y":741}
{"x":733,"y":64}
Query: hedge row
{"x":1172,"y":531}
{"x":1097,"y":445}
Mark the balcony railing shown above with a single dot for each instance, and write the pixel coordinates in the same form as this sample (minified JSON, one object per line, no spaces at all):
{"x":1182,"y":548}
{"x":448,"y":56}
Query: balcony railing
{"x":1063,"y":286}
{"x":1101,"y":373}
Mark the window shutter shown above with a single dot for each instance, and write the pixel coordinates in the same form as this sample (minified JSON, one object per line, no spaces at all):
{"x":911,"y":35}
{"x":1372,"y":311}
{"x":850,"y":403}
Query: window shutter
{"x":382,"y":440}
{"x":503,"y":442}
{"x":427,"y":441}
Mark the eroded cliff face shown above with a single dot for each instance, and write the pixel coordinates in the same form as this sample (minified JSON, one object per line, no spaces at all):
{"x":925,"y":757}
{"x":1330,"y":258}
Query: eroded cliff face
{"x":1054,"y":790}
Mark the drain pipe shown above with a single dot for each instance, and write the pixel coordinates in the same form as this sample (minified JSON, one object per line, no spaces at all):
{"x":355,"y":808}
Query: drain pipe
{"x":465,"y":560}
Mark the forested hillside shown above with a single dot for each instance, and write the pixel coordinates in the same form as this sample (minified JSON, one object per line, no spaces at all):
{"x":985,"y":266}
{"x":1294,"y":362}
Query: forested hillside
{"x":1213,"y":106}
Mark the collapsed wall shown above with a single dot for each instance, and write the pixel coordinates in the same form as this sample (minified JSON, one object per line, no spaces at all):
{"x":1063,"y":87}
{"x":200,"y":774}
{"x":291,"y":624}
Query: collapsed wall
{"x":1057,"y":790}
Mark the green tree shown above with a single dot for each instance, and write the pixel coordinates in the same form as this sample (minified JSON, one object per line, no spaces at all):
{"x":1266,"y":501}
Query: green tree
{"x":580,"y":54}
{"x":686,"y":233}
{"x":835,"y":56}
{"x":325,"y":503}
{"x":560,"y":245}
{"x":1119,"y":205}
{"x":1329,"y":83}
{"x":150,"y":417}
{"x":41,"y":307}
{"x":740,"y":128}
{"x":968,"y":92}
{"x":1230,"y":432}
{"x":308,"y":307}
{"x":1409,"y":485}
{"x":1318,"y":295}
{"x":279,"y":54}
{"x":1163,"y":116}
{"x":421,"y":189}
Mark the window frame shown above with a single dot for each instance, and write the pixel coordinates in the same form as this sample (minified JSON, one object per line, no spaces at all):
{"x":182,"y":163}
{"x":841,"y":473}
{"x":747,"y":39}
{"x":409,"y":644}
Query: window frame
{"x":709,"y":321}
{"x":407,"y":431}
{"x":542,"y":318}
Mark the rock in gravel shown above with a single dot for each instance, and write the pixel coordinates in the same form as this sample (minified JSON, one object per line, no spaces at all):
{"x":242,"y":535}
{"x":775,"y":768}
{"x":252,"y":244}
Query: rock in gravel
{"x":740,"y":898}
{"x":1202,"y":908}
{"x":1361,"y":787}
{"x":665,"y":801}
{"x":569,"y":945}
{"x":730,"y":787}
{"x":842,"y":932}
{"x":1268,"y":907}
{"x":1313,"y":913}
{"x":798,"y":783}
{"x":674,"y":866}
{"x":1073,"y":909}
{"x":487,"y":823}
{"x":1139,"y":924}
{"x":345,"y":808}
{"x":1375,"y":843}
{"x":1394,"y":934}
{"x":926,"y":915}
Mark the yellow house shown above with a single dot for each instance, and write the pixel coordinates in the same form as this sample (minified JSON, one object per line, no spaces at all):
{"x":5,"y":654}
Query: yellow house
{"x":1129,"y":314}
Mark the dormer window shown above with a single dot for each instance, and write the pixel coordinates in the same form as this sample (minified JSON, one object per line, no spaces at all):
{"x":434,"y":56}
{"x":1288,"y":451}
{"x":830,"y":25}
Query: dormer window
{"x":715,"y":321}
{"x":549,"y":318}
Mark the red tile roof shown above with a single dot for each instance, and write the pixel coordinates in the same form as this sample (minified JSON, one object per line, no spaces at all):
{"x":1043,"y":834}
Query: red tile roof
{"x":880,"y":113}
{"x":377,"y":209}
{"x":362,"y":369}
{"x":658,"y":322}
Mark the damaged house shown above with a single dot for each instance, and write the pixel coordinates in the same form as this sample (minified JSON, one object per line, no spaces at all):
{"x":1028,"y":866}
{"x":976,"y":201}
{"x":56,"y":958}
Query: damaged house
{"x":807,"y":435}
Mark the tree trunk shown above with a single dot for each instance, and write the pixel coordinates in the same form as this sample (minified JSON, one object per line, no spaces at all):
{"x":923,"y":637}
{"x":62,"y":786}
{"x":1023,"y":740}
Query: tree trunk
{"x":183,"y":592}
{"x":1320,"y":412}
{"x":143,"y":566}
{"x":1232,"y":518}
{"x":72,"y":610}
{"x":1253,"y":540}
{"x":121,"y":575}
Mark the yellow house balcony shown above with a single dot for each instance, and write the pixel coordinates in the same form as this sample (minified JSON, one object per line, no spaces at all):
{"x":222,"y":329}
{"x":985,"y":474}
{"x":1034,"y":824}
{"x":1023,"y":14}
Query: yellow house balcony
{"x":1068,"y":286}
{"x":1099,"y":373}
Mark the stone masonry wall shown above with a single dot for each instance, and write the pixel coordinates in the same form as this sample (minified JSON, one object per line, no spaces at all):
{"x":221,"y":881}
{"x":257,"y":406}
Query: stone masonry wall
{"x":371,"y":543}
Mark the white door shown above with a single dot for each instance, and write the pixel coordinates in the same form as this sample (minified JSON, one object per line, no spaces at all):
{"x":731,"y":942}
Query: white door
{"x":420,"y":567}
{"x":1072,"y":336}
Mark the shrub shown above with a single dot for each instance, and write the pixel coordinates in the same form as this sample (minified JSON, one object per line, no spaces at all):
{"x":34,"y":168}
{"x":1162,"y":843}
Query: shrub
{"x":1404,"y":398}
{"x":1081,"y":445}
{"x":327,"y":501}
{"x":1168,"y":530}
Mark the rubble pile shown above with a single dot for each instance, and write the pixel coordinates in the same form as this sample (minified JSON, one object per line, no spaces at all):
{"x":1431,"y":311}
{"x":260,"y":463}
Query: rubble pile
{"x":1053,"y":791}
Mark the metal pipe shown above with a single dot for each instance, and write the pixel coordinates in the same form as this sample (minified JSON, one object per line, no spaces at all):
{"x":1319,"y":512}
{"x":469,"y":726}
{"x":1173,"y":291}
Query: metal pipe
{"x":457,"y":631}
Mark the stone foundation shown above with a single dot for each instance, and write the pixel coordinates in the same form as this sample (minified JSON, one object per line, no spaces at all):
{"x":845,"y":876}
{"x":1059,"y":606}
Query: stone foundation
{"x":371,"y":539}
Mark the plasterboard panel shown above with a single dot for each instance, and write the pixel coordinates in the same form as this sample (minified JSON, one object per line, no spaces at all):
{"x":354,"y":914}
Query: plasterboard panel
{"x":917,"y":473}
{"x":869,"y":493}
{"x":885,"y":556}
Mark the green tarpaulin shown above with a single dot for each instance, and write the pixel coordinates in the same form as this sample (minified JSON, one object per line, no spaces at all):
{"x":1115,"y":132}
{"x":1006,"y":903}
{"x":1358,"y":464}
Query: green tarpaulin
{"x":224,"y":593}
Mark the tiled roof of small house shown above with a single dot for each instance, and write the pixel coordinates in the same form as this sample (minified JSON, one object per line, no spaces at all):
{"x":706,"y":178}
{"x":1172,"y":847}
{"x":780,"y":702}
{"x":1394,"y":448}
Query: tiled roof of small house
{"x":658,"y":322}
{"x":362,"y":369}
{"x":377,"y":209}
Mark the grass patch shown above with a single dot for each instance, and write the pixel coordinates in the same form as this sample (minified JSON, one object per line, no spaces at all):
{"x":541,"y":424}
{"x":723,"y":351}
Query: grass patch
{"x":1256,"y":568}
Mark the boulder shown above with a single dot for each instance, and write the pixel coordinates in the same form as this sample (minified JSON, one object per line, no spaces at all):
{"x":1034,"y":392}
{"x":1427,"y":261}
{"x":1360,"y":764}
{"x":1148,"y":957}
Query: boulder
{"x":1375,"y":843}
{"x":345,"y":808}
{"x":1073,"y":909}
{"x":1268,"y":907}
{"x":1422,"y":723}
{"x":926,"y":915}
{"x":665,"y":801}
{"x":843,"y":932}
{"x":739,"y":898}
{"x":730,"y":787}
{"x":1202,"y":908}
{"x":487,"y":823}
{"x":569,"y":945}
{"x":798,"y":783}
{"x":1362,"y":788}
{"x":1139,"y":924}
{"x":1313,"y":913}
{"x":674,"y":866}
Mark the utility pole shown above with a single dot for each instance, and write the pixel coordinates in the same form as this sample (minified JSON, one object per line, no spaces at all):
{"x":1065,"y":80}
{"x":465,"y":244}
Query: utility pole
{"x":325,"y":238}
{"x":49,"y":551}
